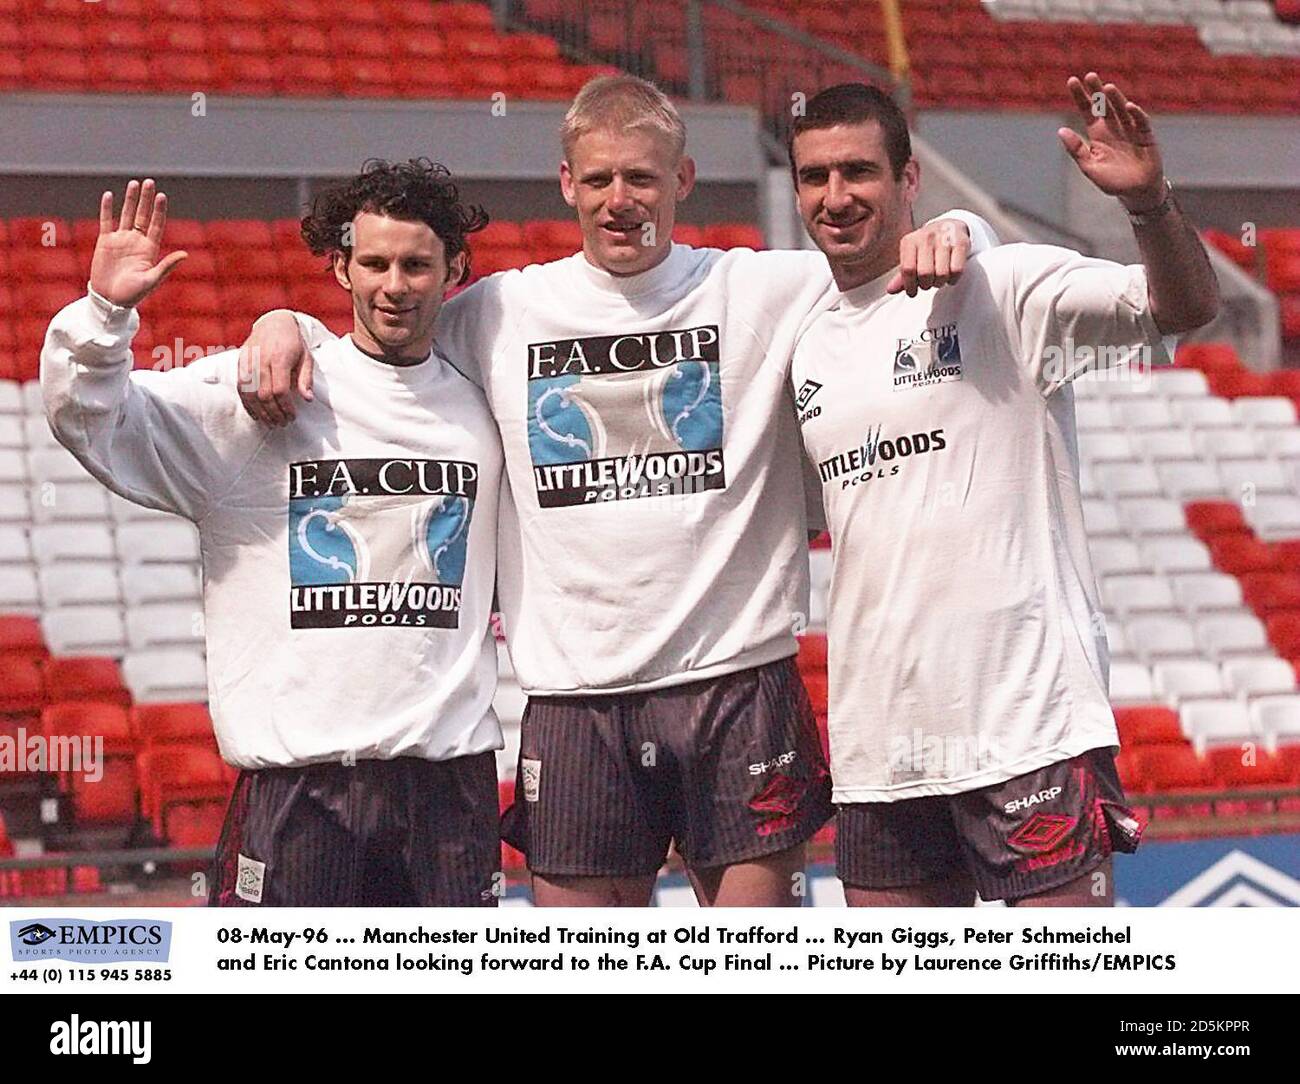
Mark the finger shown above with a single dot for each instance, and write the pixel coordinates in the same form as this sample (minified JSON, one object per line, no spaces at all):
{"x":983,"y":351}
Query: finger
{"x":282,"y":390}
{"x":942,"y":263}
{"x":957,"y":262}
{"x":129,"y":202}
{"x":925,"y":264}
{"x":1081,"y":100}
{"x":158,"y":219}
{"x":270,"y":408}
{"x":907,"y":264}
{"x":165,"y":267}
{"x":144,"y":210}
{"x":106,"y":213}
{"x":1141,"y":122}
{"x":305,"y":373}
{"x":1074,"y":144}
{"x":1116,"y":107}
{"x":895,"y":285}
{"x":248,"y":386}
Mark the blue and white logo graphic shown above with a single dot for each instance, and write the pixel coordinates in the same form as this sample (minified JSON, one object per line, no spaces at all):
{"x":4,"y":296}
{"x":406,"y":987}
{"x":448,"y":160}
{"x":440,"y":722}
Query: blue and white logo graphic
{"x":379,"y":542}
{"x":616,"y":417}
{"x":84,"y":941}
{"x":1241,"y":871}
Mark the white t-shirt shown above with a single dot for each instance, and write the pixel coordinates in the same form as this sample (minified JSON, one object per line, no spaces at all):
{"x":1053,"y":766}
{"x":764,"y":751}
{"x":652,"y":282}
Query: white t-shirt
{"x":966,"y":645}
{"x":347,"y":560}
{"x":653,"y":530}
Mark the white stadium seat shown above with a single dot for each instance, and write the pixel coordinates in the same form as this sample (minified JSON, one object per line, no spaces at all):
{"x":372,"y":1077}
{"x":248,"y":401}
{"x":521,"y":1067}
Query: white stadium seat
{"x":1189,"y":480}
{"x":1263,"y":411}
{"x":19,"y":589}
{"x":1152,"y":515}
{"x":1177,"y":680}
{"x":1225,"y":634}
{"x":819,"y":567}
{"x":1276,"y":718}
{"x":1100,"y":517}
{"x":1247,"y":476}
{"x":11,"y":432}
{"x":33,"y":401}
{"x":55,"y":464}
{"x":1165,"y":444}
{"x":36,"y":431}
{"x":54,"y":502}
{"x":1279,"y":442}
{"x":1224,"y":444}
{"x":1130,"y":683}
{"x":1274,"y":517}
{"x":1180,"y":383}
{"x":84,"y":630}
{"x":54,"y":542}
{"x":13,"y":467}
{"x":1142,"y":413}
{"x":13,"y":504}
{"x":1260,"y":676}
{"x":166,"y":674}
{"x":1174,"y":554}
{"x":78,"y":583}
{"x":177,"y":541}
{"x":1216,"y":722}
{"x":1117,"y":639}
{"x":1208,"y":413}
{"x":11,"y":397}
{"x":160,"y":583}
{"x":164,"y":623}
{"x":816,"y":609}
{"x":15,"y":547}
{"x":1207,"y":590}
{"x":1092,"y":414}
{"x":1114,"y":555}
{"x":509,"y":703}
{"x":1133,"y":594}
{"x":1128,"y":480}
{"x":124,"y":511}
{"x":1106,"y":445}
{"x":1159,"y":635}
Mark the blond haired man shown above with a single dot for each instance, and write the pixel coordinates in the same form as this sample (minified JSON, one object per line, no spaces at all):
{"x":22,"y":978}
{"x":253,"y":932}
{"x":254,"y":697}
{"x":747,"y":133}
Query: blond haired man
{"x":653,"y":556}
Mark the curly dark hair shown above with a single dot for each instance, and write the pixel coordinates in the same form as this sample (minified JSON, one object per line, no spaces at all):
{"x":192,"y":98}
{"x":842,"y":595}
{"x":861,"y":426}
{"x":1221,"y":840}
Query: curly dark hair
{"x":416,"y":190}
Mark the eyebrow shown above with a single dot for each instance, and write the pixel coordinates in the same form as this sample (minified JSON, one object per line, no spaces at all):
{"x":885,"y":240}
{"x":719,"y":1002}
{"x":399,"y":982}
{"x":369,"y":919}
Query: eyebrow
{"x":843,"y":166}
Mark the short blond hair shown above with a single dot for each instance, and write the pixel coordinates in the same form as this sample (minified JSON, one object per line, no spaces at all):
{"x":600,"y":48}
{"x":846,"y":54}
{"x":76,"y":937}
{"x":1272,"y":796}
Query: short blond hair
{"x":619,"y":102}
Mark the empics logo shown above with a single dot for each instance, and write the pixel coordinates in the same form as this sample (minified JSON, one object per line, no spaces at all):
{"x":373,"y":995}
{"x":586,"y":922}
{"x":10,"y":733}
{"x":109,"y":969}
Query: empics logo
{"x":82,"y":941}
{"x":378,"y":542}
{"x":875,"y":457}
{"x":932,"y":357}
{"x":114,"y":1038}
{"x":619,"y":417}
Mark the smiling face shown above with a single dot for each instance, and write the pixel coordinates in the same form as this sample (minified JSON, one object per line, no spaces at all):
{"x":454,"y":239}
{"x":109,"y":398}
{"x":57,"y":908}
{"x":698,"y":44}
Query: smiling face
{"x":398,"y":276}
{"x":625,"y":186}
{"x":853,"y":207}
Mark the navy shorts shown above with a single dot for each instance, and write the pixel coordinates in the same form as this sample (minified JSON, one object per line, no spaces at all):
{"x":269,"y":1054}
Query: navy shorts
{"x":727,"y":770}
{"x":380,"y":833}
{"x":1014,"y":839}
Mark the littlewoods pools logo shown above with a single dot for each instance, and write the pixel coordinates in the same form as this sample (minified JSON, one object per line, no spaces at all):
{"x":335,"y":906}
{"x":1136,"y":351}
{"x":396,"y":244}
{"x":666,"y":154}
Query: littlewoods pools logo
{"x":82,"y":941}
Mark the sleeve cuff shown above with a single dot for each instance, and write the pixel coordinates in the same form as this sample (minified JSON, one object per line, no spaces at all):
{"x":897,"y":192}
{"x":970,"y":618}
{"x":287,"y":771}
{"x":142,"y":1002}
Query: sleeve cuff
{"x":114,"y":321}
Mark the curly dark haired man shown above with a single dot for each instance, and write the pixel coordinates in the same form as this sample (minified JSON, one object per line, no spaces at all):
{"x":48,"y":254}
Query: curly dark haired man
{"x":349,"y":562}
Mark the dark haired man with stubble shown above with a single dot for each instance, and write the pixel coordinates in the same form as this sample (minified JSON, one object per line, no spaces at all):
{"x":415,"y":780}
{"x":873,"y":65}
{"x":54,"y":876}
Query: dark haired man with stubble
{"x":349,"y":562}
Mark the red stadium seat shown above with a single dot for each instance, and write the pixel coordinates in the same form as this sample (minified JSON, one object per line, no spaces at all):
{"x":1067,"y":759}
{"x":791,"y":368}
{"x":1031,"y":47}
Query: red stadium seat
{"x":22,"y":636}
{"x":91,"y":718}
{"x":554,"y":234}
{"x":1237,"y":554}
{"x":733,"y":235}
{"x":349,"y":43}
{"x":1287,"y":555}
{"x":308,"y":76}
{"x":1152,"y":725}
{"x":1209,"y":518}
{"x":1207,"y":357}
{"x":194,"y":824}
{"x":1234,"y":385}
{"x":812,"y":652}
{"x":161,"y":724}
{"x":1171,"y":767}
{"x":111,"y":799}
{"x":1267,"y":592}
{"x":1230,"y":767}
{"x":22,"y":689}
{"x":178,"y":773}
{"x":1284,"y":632}
{"x":85,"y":678}
{"x":462,"y":16}
{"x":238,"y":233}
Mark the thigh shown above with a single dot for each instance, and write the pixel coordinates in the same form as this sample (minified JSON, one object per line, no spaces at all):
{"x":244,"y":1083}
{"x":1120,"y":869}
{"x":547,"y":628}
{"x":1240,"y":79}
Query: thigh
{"x":284,"y":843}
{"x":1049,"y":828}
{"x":901,"y":854}
{"x":754,"y":782}
{"x":450,"y":851}
{"x":590,"y":799}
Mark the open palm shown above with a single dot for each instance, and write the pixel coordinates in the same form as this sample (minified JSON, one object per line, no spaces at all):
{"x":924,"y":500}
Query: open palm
{"x":125,"y":268}
{"x":1120,"y":155}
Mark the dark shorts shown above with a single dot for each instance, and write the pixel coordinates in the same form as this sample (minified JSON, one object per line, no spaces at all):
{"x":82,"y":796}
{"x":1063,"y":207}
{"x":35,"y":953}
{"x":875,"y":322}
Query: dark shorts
{"x":381,"y":833}
{"x":728,"y":769}
{"x":1015,"y":839}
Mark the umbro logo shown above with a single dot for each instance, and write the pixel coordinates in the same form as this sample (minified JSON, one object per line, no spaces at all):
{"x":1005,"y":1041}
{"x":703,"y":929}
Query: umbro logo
{"x":809,"y":389}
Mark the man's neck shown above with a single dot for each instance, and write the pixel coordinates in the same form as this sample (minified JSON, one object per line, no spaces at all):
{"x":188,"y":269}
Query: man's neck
{"x":661,"y":254}
{"x":400,"y":360}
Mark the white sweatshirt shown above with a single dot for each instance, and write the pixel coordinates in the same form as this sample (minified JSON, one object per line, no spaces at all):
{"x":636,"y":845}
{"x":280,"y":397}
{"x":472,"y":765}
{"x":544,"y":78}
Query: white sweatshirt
{"x":347,"y":559}
{"x":966,"y":641}
{"x":653,"y":530}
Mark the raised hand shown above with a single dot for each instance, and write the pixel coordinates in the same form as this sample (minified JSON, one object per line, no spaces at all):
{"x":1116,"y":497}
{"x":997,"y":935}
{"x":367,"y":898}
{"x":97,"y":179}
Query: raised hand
{"x":933,"y":256}
{"x":125,"y":268}
{"x":1120,"y":156}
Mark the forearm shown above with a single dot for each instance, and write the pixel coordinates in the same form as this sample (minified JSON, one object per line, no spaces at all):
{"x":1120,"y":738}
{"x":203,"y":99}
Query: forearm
{"x":1181,"y":285}
{"x":312,"y":332}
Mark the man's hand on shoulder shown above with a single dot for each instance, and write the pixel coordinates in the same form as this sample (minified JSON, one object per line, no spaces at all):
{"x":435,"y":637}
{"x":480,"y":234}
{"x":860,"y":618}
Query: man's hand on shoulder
{"x":273,"y":363}
{"x":932,"y":256}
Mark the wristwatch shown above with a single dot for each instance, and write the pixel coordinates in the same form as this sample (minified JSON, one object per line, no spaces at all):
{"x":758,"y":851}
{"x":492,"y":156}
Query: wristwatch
{"x":1163,"y":208}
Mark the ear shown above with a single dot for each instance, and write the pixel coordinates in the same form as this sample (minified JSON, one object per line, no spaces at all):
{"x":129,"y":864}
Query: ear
{"x":341,"y":260}
{"x":456,"y":271}
{"x":911,"y":179}
{"x":568,"y":186}
{"x":685,"y":176}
